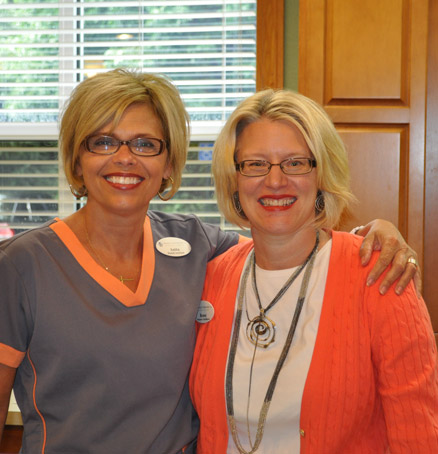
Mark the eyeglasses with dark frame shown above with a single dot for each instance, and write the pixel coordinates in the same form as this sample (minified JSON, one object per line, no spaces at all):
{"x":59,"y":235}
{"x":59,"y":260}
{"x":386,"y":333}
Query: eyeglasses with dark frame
{"x":290,"y":166}
{"x":140,"y":146}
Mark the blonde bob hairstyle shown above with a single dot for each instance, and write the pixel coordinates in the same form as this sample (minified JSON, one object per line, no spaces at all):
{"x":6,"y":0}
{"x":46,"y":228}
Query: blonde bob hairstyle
{"x":326,"y":146}
{"x":103,"y":99}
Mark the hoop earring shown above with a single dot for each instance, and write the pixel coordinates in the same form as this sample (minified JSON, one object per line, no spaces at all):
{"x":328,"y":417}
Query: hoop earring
{"x":160,"y":194}
{"x":82,"y":192}
{"x":319,"y":202}
{"x":238,"y":206}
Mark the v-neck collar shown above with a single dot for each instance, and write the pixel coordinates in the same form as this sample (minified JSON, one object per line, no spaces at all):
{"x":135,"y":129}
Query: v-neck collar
{"x":105,"y":279}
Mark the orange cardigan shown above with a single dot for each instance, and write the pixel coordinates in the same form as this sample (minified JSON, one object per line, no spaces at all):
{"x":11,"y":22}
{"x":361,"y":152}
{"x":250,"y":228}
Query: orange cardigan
{"x":373,"y":378}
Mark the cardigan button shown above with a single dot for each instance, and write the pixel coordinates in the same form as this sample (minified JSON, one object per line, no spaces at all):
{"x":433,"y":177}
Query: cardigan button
{"x":302,"y":433}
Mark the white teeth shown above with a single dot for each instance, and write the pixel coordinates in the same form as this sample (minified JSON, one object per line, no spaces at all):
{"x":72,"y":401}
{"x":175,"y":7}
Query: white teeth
{"x":123,"y":180}
{"x":277,"y":202}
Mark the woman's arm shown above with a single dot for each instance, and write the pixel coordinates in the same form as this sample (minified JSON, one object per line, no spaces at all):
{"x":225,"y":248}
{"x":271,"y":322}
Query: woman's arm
{"x":7,"y":376}
{"x":383,"y":236}
{"x":405,"y":359}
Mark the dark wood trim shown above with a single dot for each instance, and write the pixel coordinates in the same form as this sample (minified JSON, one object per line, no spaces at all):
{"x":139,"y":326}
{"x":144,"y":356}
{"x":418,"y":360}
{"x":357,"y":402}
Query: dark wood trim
{"x":270,"y":44}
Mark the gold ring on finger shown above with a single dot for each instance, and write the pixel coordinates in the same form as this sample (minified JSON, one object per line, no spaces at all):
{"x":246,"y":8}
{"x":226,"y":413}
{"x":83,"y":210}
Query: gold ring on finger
{"x":413,"y":261}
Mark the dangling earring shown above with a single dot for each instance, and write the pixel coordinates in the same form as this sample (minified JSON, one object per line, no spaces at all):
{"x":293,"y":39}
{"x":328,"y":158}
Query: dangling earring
{"x":238,"y":206}
{"x":82,"y":192}
{"x":319,"y":202}
{"x":160,"y":194}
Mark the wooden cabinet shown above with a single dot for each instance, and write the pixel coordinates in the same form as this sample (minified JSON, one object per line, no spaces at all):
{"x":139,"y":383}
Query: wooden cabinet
{"x":431,"y":171}
{"x":366,"y":62}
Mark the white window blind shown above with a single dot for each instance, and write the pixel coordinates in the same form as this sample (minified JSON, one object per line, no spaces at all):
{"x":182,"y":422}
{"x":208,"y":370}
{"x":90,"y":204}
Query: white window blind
{"x":206,"y":47}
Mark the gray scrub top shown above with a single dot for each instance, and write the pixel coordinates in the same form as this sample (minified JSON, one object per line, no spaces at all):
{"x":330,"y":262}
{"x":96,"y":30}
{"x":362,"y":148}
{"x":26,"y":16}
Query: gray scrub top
{"x":98,"y":375}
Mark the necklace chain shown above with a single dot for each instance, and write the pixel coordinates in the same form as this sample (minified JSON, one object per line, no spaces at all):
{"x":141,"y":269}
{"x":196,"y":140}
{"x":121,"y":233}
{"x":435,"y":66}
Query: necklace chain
{"x":121,"y":278}
{"x":273,"y":382}
{"x":283,"y":289}
{"x":260,"y":330}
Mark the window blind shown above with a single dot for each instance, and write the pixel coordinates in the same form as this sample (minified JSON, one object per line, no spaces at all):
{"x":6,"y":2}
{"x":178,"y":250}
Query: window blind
{"x":29,"y":184}
{"x":207,"y":48}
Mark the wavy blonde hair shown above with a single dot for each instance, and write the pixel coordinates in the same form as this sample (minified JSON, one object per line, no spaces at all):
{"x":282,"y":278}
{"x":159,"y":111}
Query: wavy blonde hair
{"x":104,"y":98}
{"x":327,"y":148}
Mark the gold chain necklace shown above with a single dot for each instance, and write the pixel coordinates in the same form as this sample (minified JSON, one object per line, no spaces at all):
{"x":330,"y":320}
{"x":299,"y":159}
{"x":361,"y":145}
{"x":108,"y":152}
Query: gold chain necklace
{"x":121,"y":278}
{"x":233,"y":349}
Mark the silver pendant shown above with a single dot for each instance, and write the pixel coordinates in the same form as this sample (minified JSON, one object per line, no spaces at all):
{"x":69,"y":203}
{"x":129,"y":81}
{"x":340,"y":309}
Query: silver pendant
{"x":261,"y":331}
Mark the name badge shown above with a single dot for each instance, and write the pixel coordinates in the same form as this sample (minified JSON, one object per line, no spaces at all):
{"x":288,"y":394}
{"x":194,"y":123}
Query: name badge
{"x":173,"y":247}
{"x":205,"y":312}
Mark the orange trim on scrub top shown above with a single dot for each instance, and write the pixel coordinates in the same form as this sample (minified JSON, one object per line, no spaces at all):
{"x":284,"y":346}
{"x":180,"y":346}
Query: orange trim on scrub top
{"x":43,"y":448}
{"x":109,"y":282}
{"x":11,"y":357}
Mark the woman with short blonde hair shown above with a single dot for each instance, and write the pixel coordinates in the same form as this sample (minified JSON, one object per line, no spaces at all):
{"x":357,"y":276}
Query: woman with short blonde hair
{"x":102,"y":99}
{"x":302,"y":355}
{"x":320,"y":135}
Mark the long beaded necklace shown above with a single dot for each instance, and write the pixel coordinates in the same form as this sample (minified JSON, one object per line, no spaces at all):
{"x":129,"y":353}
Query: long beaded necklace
{"x":121,"y":278}
{"x":233,"y":349}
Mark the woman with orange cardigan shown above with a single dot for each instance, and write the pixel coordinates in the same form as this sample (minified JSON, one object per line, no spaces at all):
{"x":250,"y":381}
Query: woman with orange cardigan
{"x":296,"y":352}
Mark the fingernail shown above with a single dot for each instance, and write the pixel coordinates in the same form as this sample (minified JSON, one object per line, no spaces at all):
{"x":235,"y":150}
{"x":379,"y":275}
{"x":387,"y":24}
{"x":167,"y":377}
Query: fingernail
{"x":370,"y":281}
{"x":398,"y":290}
{"x":383,"y":289}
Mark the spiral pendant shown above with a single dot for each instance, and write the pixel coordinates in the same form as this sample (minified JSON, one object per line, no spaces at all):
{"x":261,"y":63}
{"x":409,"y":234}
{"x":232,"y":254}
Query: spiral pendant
{"x":261,"y":331}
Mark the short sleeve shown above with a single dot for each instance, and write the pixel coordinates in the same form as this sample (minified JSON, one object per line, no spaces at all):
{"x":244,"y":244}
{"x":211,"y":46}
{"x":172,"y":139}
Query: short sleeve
{"x":15,"y":317}
{"x":219,"y":240}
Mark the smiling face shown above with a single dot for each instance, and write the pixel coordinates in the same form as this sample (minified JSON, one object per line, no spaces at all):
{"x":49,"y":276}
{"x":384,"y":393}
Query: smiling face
{"x":124,"y":182}
{"x":275,"y":204}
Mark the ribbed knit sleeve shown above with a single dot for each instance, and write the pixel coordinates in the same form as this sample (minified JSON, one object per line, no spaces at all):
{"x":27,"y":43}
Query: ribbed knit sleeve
{"x":405,"y":358}
{"x":372,"y":383}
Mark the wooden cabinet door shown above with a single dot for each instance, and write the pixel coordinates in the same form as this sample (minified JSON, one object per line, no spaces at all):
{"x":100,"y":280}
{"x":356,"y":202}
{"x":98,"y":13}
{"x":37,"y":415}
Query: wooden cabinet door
{"x":365,"y":61}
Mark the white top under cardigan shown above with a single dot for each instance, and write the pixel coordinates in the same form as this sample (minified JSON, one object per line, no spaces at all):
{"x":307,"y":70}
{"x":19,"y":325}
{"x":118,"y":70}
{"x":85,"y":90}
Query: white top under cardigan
{"x":281,"y":432}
